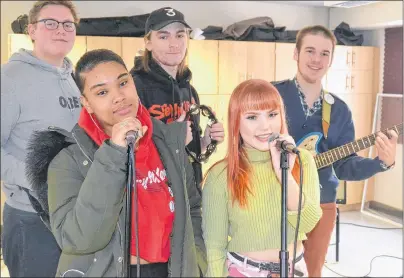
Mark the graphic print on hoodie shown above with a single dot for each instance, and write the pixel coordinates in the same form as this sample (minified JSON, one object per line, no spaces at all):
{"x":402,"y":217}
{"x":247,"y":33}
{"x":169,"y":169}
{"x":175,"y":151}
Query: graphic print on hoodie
{"x":34,"y":96}
{"x":164,"y":97}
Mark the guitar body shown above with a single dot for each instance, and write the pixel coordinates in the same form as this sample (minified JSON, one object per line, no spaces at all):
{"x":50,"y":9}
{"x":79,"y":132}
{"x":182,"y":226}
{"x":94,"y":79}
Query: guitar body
{"x":310,"y":142}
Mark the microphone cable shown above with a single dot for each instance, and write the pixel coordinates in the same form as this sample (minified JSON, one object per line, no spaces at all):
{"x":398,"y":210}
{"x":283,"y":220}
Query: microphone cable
{"x":299,"y":209}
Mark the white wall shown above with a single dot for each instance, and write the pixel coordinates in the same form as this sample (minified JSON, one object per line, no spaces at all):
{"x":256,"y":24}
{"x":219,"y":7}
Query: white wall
{"x":389,"y":184}
{"x":381,"y":14}
{"x":197,"y":13}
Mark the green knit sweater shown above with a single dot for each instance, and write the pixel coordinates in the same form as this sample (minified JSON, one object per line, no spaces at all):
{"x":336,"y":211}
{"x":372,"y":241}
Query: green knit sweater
{"x":256,"y":227}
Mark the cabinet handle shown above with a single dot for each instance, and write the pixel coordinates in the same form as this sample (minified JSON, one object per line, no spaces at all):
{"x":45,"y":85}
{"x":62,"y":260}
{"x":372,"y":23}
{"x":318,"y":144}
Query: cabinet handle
{"x":347,"y":58}
{"x":353,"y":58}
{"x":242,"y":77}
{"x":346,"y":82}
{"x":352,"y":82}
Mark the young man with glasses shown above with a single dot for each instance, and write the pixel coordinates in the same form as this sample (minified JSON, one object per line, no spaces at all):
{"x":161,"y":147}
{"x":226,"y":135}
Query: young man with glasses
{"x":37,"y":91}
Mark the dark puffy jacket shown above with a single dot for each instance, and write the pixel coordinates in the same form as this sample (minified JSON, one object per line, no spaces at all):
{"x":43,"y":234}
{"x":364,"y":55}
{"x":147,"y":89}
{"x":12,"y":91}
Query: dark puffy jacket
{"x":85,"y":186}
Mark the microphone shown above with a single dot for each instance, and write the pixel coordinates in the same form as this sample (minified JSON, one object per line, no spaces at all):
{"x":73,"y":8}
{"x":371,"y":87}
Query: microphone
{"x":286,"y":146}
{"x":283,"y":144}
{"x":131,"y":136}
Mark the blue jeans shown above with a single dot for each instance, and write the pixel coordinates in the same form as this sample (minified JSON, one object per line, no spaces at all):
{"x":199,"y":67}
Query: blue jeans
{"x":29,"y":248}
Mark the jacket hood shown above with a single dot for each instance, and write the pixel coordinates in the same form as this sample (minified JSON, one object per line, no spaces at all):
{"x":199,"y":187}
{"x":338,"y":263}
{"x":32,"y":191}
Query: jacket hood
{"x":158,"y":74}
{"x":26,"y":56}
{"x":43,"y":146}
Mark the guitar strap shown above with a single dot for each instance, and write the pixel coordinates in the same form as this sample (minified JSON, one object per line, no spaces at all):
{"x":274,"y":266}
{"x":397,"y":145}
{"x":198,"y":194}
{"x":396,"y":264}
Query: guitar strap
{"x":328,"y":100}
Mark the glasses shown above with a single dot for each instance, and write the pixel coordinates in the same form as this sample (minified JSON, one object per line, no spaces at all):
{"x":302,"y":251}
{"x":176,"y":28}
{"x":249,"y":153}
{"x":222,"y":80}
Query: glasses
{"x":52,"y":24}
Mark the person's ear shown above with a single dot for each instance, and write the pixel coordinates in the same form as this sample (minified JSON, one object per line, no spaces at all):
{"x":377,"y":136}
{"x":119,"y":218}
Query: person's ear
{"x":31,"y":29}
{"x":296,"y":55}
{"x":86,"y":105}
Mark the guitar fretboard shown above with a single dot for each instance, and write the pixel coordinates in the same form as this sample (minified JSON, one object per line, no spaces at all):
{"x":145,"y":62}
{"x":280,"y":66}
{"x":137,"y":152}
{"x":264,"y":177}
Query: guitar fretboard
{"x":329,"y":157}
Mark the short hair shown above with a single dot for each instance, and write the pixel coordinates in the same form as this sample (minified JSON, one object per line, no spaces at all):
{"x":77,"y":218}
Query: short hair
{"x":90,"y":60}
{"x":39,"y":5}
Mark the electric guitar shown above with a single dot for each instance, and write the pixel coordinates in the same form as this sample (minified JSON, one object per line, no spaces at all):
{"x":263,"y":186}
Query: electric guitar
{"x":310,"y":142}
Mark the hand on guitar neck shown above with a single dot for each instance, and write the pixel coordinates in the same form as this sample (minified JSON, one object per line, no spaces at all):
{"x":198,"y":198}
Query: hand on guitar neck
{"x":385,"y":141}
{"x":386,"y":147}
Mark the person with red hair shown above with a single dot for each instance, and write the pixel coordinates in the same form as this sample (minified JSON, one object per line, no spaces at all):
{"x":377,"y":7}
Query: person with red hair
{"x":241,"y":198}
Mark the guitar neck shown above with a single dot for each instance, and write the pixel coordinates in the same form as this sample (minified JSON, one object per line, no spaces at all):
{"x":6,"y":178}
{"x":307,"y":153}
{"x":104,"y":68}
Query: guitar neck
{"x":329,"y":157}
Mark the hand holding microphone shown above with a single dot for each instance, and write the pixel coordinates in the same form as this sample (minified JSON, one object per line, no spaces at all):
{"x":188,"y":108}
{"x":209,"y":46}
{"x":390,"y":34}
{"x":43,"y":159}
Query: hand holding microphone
{"x":128,"y":130}
{"x":278,"y":143}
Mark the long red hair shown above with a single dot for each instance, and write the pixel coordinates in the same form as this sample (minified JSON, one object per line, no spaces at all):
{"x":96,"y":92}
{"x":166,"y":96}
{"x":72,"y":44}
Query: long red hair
{"x":253,"y":94}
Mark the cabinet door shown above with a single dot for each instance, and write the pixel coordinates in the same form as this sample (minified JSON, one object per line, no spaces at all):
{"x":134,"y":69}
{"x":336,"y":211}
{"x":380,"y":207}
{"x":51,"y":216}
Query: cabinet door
{"x":261,"y":61}
{"x":130,"y":47}
{"x":342,"y":59}
{"x":79,"y":48}
{"x":221,"y":114}
{"x":362,"y":58}
{"x":203,"y":61}
{"x":285,"y":64}
{"x":361,"y":81}
{"x":17,"y":41}
{"x":338,"y":81}
{"x":111,"y":43}
{"x":232,"y":65}
{"x":361,"y":106}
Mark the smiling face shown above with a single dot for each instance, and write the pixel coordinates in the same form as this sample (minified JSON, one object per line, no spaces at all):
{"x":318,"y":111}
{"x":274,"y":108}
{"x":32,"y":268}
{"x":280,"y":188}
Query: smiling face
{"x":256,"y":111}
{"x":314,"y":57}
{"x":54,"y":43}
{"x":110,"y":93}
{"x":256,"y":126}
{"x":169,"y":44}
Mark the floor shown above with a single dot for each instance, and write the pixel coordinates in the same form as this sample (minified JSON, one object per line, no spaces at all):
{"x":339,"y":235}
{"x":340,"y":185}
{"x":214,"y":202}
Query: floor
{"x":358,"y":246}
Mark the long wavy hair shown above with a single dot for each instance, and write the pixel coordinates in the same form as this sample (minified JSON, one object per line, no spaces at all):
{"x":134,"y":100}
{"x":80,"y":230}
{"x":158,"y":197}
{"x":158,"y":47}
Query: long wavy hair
{"x":253,"y":94}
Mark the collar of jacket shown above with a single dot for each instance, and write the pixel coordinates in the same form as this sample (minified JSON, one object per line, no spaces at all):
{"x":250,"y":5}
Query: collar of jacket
{"x":158,"y":74}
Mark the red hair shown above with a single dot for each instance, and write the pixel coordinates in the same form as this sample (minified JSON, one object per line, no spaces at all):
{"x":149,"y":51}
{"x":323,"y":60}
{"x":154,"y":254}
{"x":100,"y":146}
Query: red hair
{"x":253,"y":94}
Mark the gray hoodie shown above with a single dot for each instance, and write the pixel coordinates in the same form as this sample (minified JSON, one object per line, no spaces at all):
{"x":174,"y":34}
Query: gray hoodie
{"x":34,"y":96}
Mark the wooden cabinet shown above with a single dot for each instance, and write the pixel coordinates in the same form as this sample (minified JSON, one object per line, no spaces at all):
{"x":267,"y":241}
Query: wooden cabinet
{"x":111,"y":43}
{"x":353,"y":58}
{"x":203,"y":60}
{"x":354,"y":77}
{"x":347,"y":81}
{"x":79,"y":48}
{"x":239,"y":61}
{"x":261,"y":61}
{"x":286,"y":65}
{"x":130,"y":48}
{"x":17,"y":41}
{"x":232,"y":65}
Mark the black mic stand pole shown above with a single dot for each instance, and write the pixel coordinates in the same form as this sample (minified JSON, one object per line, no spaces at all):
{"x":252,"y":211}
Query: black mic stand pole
{"x":284,"y":253}
{"x":128,"y":216}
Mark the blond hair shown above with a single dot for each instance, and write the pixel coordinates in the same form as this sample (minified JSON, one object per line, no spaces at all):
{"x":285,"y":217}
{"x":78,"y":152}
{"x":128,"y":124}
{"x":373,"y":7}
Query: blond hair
{"x":39,"y":5}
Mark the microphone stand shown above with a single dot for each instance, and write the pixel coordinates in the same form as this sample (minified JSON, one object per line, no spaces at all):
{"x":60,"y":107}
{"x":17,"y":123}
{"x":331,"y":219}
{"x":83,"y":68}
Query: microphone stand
{"x":284,"y":253}
{"x":128,"y":216}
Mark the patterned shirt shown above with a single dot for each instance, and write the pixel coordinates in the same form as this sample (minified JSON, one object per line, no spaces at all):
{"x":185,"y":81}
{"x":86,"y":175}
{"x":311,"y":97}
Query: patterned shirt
{"x":317,"y":104}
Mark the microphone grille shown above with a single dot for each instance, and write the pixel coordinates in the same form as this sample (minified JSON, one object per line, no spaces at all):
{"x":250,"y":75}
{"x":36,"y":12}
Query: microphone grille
{"x":273,"y":137}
